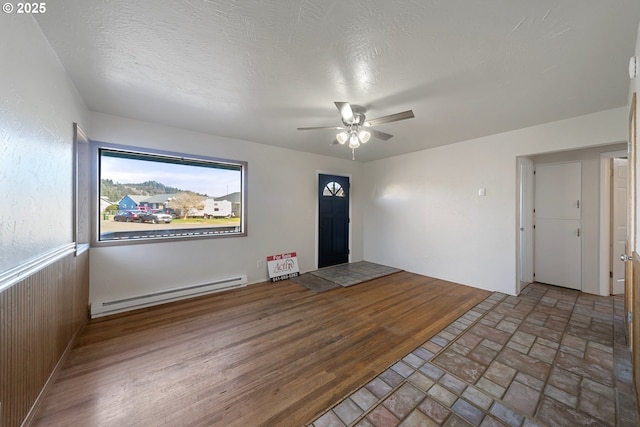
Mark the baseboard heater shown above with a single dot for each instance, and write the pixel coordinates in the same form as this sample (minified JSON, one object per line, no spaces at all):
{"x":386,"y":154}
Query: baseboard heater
{"x":104,"y":308}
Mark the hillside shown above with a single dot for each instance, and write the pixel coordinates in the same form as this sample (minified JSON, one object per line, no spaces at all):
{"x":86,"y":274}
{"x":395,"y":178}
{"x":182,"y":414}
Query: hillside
{"x":115,"y":191}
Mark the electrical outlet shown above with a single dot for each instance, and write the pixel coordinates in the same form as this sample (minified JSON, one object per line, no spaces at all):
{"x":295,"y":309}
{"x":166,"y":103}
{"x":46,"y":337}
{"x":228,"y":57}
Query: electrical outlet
{"x":259,"y":264}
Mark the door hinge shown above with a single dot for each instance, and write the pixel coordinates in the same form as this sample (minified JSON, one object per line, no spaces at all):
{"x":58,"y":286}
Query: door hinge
{"x":611,"y":275}
{"x":578,"y":232}
{"x":629,"y":317}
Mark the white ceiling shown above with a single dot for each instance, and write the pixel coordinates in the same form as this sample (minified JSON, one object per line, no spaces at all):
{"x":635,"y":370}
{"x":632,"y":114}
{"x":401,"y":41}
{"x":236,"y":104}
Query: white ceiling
{"x":257,"y":69}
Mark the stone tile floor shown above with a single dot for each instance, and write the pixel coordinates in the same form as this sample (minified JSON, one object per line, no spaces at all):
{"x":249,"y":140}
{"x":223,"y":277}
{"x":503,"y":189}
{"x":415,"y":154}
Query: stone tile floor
{"x":548,"y":357}
{"x":354,"y":273}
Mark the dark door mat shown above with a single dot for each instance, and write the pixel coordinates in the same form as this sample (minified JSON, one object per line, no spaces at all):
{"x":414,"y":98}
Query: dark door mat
{"x":314,"y":283}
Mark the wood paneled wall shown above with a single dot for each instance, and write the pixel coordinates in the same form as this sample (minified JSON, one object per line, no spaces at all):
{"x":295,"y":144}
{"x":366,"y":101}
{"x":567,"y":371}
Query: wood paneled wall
{"x":39,"y":317}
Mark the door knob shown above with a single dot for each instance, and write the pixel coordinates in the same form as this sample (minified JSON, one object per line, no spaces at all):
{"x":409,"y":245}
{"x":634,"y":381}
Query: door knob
{"x":625,"y":257}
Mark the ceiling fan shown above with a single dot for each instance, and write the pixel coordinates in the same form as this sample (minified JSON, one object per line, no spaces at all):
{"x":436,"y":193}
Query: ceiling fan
{"x":356,"y":128}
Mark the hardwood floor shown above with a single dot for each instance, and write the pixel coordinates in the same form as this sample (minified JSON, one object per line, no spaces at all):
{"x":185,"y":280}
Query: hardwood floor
{"x":268,"y":354}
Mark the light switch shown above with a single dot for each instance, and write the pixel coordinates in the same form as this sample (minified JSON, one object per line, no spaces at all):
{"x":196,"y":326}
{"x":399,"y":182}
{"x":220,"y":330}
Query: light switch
{"x":482,"y":192}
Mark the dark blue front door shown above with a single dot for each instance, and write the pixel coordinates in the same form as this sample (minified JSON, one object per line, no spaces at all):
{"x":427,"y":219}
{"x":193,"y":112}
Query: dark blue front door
{"x":333,"y":233}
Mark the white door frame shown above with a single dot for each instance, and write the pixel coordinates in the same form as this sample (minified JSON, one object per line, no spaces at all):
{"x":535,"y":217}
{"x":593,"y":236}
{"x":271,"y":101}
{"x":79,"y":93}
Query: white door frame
{"x":524,"y":232}
{"x":605,"y":217}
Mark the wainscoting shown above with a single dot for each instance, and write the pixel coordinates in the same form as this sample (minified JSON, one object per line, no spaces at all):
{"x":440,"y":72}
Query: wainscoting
{"x":39,"y":317}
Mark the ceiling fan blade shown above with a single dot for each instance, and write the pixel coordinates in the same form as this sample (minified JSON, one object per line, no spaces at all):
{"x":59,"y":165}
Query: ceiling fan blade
{"x":390,"y":118}
{"x":380,"y":135}
{"x":323,"y":127}
{"x":345,"y":112}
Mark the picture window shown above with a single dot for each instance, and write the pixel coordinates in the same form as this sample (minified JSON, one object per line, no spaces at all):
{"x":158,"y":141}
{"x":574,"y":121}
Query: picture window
{"x":147,"y":195}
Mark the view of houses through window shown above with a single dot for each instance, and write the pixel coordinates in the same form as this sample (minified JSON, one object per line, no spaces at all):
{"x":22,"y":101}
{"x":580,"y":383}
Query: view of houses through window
{"x":151,"y":195}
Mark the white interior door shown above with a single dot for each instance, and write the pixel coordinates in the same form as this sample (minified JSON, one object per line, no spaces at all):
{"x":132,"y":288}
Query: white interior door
{"x":618,"y":224}
{"x":558,"y":216}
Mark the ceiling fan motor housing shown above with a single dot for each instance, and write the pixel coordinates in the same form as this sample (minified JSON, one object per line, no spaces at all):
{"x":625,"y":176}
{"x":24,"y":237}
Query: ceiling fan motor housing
{"x":358,"y":120}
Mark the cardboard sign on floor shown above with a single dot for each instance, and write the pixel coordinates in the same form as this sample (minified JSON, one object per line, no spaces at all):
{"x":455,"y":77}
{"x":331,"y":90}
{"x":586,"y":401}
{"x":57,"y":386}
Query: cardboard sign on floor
{"x":283,"y":266}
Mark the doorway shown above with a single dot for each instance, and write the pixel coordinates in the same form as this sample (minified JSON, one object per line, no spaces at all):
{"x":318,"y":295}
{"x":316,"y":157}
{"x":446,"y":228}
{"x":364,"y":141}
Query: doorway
{"x":595,"y":212}
{"x":333,"y":220}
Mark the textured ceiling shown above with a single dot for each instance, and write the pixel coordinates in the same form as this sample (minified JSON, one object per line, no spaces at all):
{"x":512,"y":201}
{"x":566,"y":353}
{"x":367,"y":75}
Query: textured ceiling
{"x":256,"y":69}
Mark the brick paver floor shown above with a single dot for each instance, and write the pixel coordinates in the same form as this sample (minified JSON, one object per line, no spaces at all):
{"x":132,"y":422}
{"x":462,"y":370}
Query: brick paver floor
{"x":548,"y":357}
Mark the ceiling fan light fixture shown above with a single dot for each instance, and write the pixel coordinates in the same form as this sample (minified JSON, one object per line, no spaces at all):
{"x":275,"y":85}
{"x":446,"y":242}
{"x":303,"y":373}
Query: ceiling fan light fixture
{"x":342,"y":137}
{"x":364,"y":136}
{"x":353,"y":141}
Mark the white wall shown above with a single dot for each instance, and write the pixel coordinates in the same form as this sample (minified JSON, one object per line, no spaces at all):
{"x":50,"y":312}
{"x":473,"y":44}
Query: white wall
{"x":282,"y":193}
{"x":38,"y":106}
{"x":423,"y":212}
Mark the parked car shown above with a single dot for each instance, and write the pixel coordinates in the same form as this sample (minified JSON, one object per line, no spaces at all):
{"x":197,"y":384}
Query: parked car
{"x":156,"y":217}
{"x":173,"y":212}
{"x":129,"y":216}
